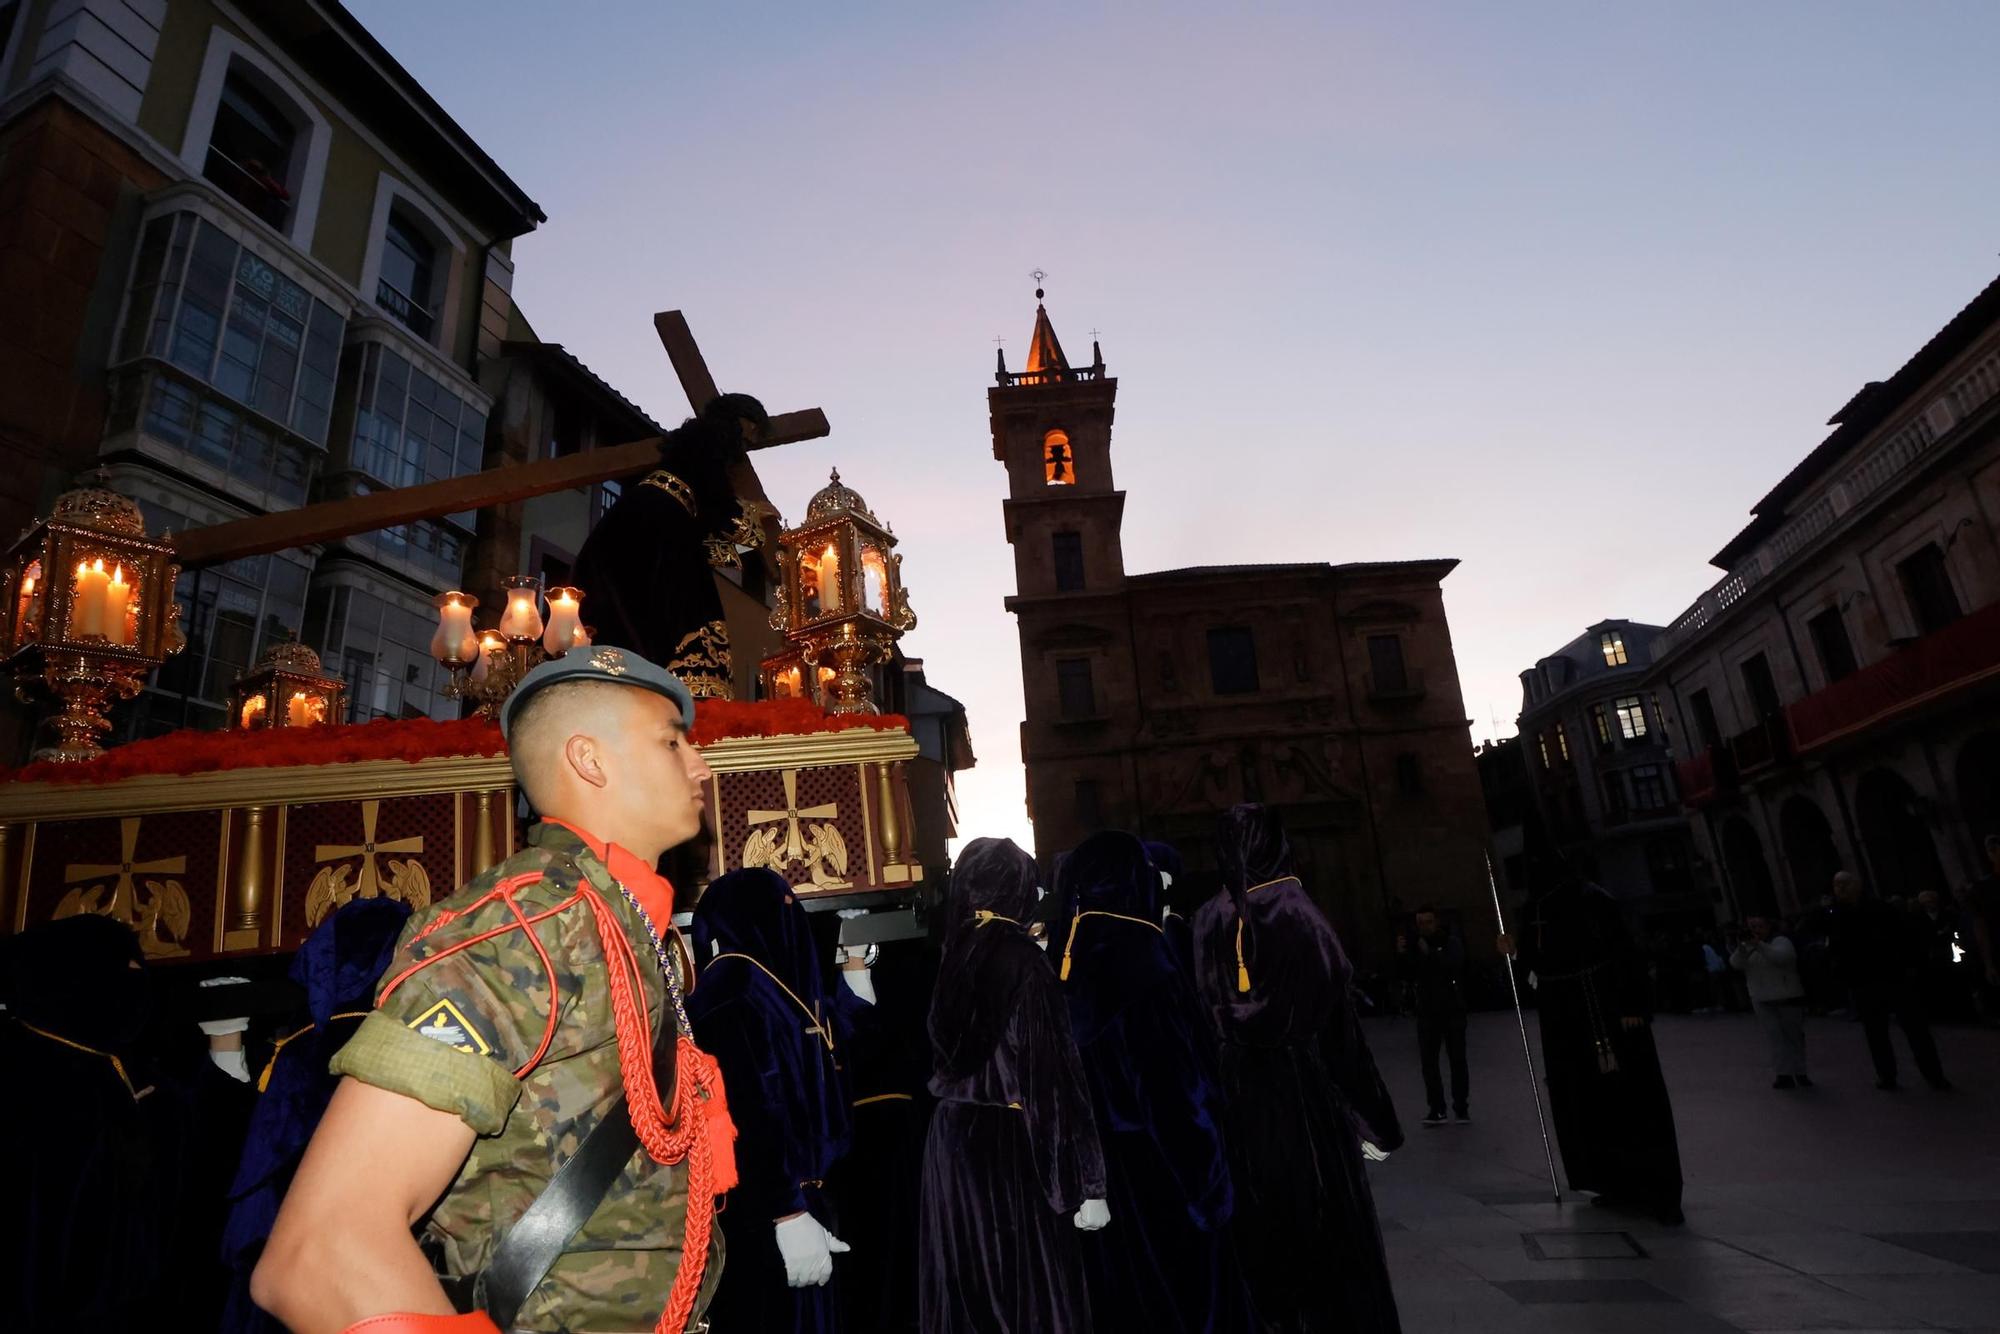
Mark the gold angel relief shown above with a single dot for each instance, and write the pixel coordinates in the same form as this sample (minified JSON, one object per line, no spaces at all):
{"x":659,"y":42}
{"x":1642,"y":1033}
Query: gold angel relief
{"x":822,"y":851}
{"x":160,"y":917}
{"x":407,"y":881}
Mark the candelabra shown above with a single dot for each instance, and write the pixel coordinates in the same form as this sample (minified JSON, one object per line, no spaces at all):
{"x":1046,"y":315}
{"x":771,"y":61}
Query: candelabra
{"x":486,"y":665}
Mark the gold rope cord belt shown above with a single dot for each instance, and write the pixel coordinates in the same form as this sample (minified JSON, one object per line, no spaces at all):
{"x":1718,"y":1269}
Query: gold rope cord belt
{"x":1077,"y":921}
{"x":816,"y":1026}
{"x":116,"y":1064}
{"x":264,"y":1078}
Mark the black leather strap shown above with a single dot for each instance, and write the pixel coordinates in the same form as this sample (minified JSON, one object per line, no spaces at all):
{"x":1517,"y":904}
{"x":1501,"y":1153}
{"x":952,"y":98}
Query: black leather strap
{"x":524,"y":1256}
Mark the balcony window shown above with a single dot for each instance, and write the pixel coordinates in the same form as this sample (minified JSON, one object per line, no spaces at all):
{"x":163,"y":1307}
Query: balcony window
{"x":1232,"y":660}
{"x":1617,"y":807}
{"x":409,"y":269}
{"x":382,"y":649}
{"x":1927,"y":586}
{"x":1600,"y":726}
{"x":231,"y":322}
{"x":250,"y":150}
{"x":410,"y":428}
{"x":231,"y":614}
{"x":1705,"y":725}
{"x":1829,"y":637}
{"x":1388,"y":671}
{"x":1075,"y":691}
{"x":1068,"y":554}
{"x":1613,"y":645}
{"x":1649,"y":788}
{"x":1761,"y":687}
{"x":1631,"y":711}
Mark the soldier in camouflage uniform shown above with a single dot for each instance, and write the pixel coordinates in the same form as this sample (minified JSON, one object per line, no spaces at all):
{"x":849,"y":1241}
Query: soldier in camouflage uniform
{"x":496,"y":1048}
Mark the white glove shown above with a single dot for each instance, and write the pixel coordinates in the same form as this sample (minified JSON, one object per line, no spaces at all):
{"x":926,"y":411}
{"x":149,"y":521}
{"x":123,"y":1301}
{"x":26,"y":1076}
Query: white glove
{"x":861,"y":982}
{"x":217,"y":1028}
{"x":1373,"y":1154}
{"x":1094,"y":1215}
{"x":808,"y":1250}
{"x":232,"y":1063}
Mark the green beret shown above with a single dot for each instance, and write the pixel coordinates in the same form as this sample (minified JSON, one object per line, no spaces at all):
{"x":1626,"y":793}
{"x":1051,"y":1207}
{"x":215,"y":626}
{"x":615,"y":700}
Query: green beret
{"x":614,"y":666}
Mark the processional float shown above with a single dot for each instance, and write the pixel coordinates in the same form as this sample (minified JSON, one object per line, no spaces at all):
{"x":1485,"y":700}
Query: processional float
{"x":218,"y":844}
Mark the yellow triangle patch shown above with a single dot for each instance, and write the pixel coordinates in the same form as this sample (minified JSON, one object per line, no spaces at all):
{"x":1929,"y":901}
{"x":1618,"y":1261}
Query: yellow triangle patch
{"x":446,"y":1023}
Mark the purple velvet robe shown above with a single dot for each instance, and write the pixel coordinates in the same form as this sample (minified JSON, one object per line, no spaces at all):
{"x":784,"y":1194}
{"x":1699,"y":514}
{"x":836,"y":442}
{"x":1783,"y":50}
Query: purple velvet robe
{"x":1012,"y":1151}
{"x":785,"y":1093}
{"x":1301,"y":1088}
{"x":1166,"y":1264}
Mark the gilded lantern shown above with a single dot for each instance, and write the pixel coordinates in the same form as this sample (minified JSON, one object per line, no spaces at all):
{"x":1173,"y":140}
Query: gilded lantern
{"x":841,"y":600}
{"x":287,"y":688}
{"x":87,"y":607}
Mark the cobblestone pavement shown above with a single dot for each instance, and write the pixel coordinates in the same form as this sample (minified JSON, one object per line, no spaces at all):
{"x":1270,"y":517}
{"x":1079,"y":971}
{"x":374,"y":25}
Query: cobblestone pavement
{"x":1833,"y":1208}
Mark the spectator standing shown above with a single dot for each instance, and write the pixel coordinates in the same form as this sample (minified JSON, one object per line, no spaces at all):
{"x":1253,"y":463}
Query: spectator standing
{"x":1770,"y":966}
{"x":1434,"y":966}
{"x":1873,"y":954}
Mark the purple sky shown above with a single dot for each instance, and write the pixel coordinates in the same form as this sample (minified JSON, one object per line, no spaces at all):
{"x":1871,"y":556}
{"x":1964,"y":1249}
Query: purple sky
{"x":1557,"y":289}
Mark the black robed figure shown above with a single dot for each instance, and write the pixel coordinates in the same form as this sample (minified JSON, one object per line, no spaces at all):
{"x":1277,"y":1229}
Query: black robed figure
{"x":1302,"y":1090}
{"x":1012,"y":1154}
{"x":1614,"y":1122}
{"x":645,"y":569}
{"x":1166,"y":1265}
{"x":759,"y":1009}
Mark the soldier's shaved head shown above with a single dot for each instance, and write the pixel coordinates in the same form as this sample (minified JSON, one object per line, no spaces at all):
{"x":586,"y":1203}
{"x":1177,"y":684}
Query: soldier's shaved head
{"x":612,"y":760}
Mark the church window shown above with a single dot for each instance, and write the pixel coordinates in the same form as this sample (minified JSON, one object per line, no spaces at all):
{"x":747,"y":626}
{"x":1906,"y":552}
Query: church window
{"x":1058,"y":463}
{"x":1232,"y":660}
{"x":1409,"y":774}
{"x":1069,"y":561}
{"x":1075,"y":691}
{"x":1562,"y":742}
{"x":1542,"y":745}
{"x":1613,"y":645}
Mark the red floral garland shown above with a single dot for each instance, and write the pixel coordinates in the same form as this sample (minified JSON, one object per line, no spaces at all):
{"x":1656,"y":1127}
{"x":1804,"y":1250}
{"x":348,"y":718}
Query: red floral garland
{"x":412,"y":739}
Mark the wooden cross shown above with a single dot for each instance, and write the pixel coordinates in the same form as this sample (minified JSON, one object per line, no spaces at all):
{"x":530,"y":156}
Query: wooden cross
{"x":369,"y":884}
{"x":795,"y":850}
{"x":264,"y":533}
{"x":122,"y":894}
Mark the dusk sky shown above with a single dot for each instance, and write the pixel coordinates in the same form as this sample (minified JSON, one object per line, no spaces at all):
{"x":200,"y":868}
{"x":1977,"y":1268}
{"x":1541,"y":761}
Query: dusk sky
{"x":1556,"y":289}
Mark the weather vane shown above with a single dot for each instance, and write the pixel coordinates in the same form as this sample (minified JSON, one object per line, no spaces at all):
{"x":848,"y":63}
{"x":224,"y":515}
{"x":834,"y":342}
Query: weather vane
{"x":1038,"y":275}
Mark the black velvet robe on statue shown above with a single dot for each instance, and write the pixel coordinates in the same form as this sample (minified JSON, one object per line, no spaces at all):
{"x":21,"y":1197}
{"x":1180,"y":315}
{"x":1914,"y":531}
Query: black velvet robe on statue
{"x":1613,"y":1120}
{"x":1012,"y":1151}
{"x":1302,"y":1092}
{"x":785,"y":1094}
{"x":644,"y":569}
{"x":1166,"y":1263}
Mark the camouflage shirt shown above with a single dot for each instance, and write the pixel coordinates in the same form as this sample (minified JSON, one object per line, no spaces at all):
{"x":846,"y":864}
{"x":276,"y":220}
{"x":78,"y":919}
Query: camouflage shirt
{"x":453,"y":1035}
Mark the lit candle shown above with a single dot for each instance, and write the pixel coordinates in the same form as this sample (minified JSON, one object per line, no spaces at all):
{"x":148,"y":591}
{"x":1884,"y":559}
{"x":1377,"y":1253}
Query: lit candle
{"x":482,"y":663}
{"x":86,"y":603}
{"x":829,"y":580}
{"x":117,"y":600}
{"x":253,"y":713}
{"x":522,"y":620}
{"x":298,"y":709}
{"x":454,"y":643}
{"x":564,"y":624}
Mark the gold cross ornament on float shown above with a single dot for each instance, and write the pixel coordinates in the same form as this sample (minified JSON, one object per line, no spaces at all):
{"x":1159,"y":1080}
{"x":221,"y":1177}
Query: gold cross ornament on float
{"x":166,"y":904}
{"x":407,"y":881}
{"x":822,"y":852}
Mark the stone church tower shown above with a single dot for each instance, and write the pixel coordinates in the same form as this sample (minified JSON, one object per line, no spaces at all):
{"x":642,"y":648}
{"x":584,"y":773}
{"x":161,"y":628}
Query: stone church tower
{"x":1155,"y":700}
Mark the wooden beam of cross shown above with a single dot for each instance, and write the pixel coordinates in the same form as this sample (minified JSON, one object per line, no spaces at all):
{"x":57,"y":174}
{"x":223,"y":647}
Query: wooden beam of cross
{"x":369,"y":883}
{"x":795,"y":848}
{"x":123,"y":893}
{"x":264,"y":533}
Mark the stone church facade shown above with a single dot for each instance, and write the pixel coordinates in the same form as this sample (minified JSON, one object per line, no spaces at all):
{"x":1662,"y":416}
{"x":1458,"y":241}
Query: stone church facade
{"x":1156,"y":700}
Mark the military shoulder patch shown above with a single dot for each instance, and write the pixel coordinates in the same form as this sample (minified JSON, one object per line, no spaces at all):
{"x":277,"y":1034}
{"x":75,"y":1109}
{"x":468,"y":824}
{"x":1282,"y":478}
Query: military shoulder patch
{"x":446,"y":1023}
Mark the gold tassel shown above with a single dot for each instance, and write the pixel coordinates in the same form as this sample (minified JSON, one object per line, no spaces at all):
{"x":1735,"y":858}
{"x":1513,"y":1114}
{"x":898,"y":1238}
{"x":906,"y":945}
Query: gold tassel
{"x":1242,"y":969}
{"x":1074,"y":923}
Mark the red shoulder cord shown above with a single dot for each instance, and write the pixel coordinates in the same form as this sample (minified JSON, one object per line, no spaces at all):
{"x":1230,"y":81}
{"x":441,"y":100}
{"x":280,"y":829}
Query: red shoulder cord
{"x":669,"y":1136}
